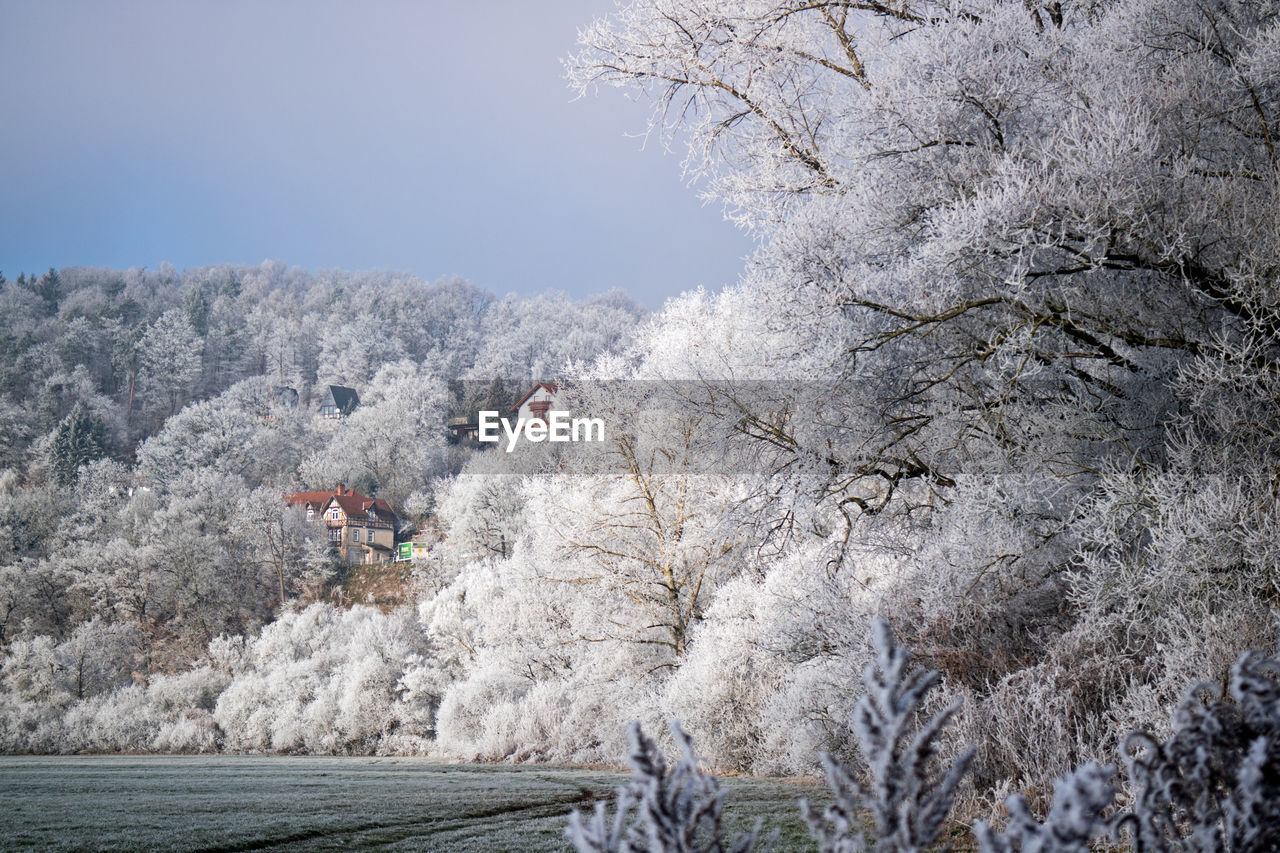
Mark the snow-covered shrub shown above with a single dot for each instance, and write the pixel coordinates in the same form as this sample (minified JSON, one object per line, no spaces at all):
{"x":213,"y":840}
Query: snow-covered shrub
{"x":1058,"y":712}
{"x":905,"y":805}
{"x":1074,"y":820}
{"x":194,"y":732}
{"x":1214,"y":784}
{"x":674,"y":811}
{"x":39,"y":713}
{"x":187,"y":700}
{"x":121,"y":721}
{"x":320,"y":680}
{"x":729,"y":679}
{"x":477,"y":716}
{"x":324,"y":680}
{"x":1211,"y":785}
{"x":764,"y":685}
{"x":905,"y":800}
{"x":58,"y":697}
{"x":196,"y":689}
{"x":534,"y":669}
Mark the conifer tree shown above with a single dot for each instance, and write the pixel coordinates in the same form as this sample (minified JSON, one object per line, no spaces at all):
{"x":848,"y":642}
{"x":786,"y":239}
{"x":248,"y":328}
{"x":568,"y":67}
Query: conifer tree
{"x":80,"y":438}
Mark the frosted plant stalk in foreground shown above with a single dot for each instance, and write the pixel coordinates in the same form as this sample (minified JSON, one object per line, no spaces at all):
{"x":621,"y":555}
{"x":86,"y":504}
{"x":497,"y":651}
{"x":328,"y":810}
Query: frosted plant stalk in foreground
{"x":676,"y":812}
{"x":907,"y":805}
{"x":1212,"y":786}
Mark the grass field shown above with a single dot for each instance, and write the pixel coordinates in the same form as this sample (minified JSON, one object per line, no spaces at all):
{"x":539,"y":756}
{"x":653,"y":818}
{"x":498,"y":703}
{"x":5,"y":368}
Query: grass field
{"x":232,"y":803}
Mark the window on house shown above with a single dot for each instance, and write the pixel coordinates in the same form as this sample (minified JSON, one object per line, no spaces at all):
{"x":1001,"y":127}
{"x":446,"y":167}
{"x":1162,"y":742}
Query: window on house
{"x":355,"y":536}
{"x":311,"y":513}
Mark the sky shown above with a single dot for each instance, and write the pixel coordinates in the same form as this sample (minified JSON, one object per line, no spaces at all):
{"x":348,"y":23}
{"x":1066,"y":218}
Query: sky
{"x":434,"y":137}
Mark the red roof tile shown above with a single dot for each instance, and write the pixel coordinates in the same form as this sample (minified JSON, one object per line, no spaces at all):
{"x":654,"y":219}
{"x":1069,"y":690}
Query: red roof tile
{"x":352,"y":502}
{"x":357,"y":505}
{"x":315,"y":500}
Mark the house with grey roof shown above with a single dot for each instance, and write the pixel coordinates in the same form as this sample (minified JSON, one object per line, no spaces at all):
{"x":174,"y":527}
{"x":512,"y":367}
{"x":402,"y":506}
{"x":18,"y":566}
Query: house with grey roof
{"x":339,"y":401}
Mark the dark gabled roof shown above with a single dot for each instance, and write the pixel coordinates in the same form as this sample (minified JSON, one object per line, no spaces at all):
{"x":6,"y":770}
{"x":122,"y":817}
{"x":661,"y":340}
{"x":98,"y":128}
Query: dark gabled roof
{"x":341,"y":397}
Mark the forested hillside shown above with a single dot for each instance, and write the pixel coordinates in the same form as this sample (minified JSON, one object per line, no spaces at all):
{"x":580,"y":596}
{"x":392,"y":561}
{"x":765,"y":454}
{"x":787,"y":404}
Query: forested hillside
{"x":147,"y":445}
{"x":1003,"y":371}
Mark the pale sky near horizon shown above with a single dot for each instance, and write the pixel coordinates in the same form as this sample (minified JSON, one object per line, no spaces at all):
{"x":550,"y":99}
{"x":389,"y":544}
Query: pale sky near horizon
{"x":437,"y":137}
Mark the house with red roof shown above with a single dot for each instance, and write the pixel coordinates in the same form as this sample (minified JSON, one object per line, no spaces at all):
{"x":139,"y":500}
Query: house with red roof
{"x":540,"y":399}
{"x":536,"y":402}
{"x":361,"y":529}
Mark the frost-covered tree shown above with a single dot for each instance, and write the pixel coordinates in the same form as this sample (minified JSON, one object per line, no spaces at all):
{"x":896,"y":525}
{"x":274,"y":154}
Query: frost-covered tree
{"x":79,"y":439}
{"x":642,"y":516}
{"x":244,"y":431}
{"x":182,"y":545}
{"x":393,"y":444}
{"x":543,"y":336}
{"x":1017,"y":262}
{"x":280,"y":538}
{"x":170,"y":352}
{"x":483,"y":506}
{"x":990,"y":221}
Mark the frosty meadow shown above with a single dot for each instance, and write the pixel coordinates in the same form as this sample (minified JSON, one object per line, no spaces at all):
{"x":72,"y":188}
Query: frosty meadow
{"x":998,"y":384}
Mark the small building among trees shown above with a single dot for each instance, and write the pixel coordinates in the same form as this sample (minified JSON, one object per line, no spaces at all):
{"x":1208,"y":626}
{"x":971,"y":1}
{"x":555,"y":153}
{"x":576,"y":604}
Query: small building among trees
{"x":536,"y":402}
{"x":339,"y":401}
{"x":361,"y":529}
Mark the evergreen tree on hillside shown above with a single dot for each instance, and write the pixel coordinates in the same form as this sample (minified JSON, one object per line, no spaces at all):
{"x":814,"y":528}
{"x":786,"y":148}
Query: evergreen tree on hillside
{"x":196,"y":306}
{"x":49,"y":288}
{"x":80,"y":439}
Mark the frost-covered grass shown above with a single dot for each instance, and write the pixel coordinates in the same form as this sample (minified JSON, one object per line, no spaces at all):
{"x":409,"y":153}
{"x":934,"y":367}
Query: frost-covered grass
{"x":311,"y":803}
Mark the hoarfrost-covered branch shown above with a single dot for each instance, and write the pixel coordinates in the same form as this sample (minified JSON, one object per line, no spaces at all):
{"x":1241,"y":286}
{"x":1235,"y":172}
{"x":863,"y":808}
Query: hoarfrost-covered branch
{"x":906,"y":802}
{"x":676,"y":812}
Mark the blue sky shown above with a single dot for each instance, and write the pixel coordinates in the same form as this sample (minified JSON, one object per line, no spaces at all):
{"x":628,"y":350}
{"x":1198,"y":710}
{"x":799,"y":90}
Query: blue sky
{"x":436,"y":137}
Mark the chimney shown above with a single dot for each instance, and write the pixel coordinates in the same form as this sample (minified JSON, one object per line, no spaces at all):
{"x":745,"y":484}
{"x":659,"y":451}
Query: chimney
{"x":340,"y":487}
